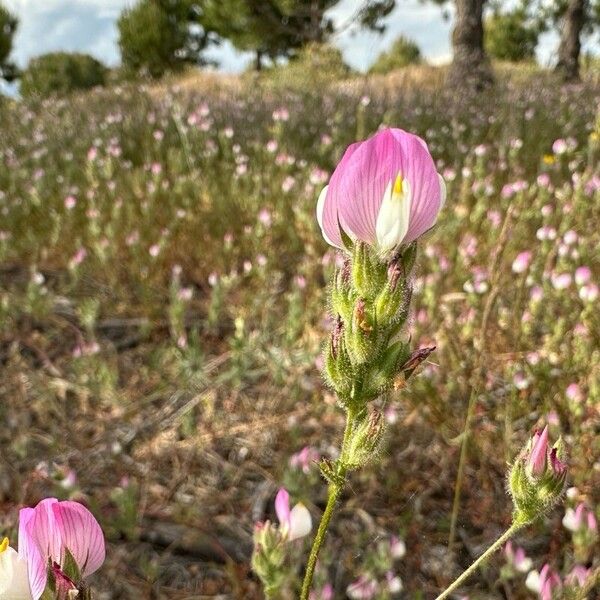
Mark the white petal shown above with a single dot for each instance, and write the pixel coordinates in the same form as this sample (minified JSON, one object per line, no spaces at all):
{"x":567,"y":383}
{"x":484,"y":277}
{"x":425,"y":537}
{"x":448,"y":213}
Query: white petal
{"x":393,"y":217}
{"x":442,"y":191}
{"x":14,"y":583}
{"x":300,"y":522}
{"x":570,"y":520}
{"x":524,"y":565}
{"x":320,"y":208}
{"x":533,"y":581}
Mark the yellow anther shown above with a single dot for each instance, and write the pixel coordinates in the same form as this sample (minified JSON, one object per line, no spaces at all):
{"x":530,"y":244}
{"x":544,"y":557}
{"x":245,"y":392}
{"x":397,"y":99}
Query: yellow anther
{"x":3,"y":545}
{"x":398,"y":189}
{"x":549,"y":159}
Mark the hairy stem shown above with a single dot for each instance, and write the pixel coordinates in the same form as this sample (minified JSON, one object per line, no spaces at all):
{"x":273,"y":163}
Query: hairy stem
{"x":482,"y":559}
{"x":335,"y":489}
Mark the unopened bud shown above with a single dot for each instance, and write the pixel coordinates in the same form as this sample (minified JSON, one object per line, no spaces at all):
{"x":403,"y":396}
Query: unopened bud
{"x":365,"y":439}
{"x":338,"y":367}
{"x":383,"y":373}
{"x":360,"y":318}
{"x":537,"y":477}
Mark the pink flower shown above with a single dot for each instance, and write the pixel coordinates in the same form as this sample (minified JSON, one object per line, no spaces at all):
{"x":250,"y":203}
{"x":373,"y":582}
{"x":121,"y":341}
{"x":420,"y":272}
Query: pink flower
{"x":264,"y":216}
{"x":364,"y":588}
{"x":580,"y":519}
{"x":294,"y":523}
{"x":281,"y":114}
{"x":574,"y":393}
{"x":70,"y":202}
{"x":78,"y":257}
{"x":326,"y":593}
{"x":52,"y":528}
{"x":549,"y":580}
{"x":561,"y":281}
{"x":582,"y":275}
{"x":305,"y":459}
{"x":397,"y":547}
{"x":589,"y":292}
{"x":543,"y":180}
{"x":578,"y":576}
{"x":385,"y":192}
{"x":516,"y":557}
{"x":559,"y":146}
{"x":522,"y":262}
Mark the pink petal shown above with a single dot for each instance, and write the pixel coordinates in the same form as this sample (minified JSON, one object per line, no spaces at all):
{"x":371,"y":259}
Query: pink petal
{"x":361,"y":181}
{"x":539,"y":453}
{"x":45,"y":532}
{"x":367,"y":173}
{"x":330,"y":217}
{"x":37,"y":567}
{"x":282,"y":507}
{"x":81,"y":535}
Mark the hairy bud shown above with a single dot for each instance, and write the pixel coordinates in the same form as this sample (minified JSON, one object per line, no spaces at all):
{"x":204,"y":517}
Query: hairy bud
{"x":537,"y":477}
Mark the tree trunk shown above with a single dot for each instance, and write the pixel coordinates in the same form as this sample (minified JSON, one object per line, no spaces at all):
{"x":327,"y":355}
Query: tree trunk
{"x":570,"y":42}
{"x":258,"y":60}
{"x":470,"y":65}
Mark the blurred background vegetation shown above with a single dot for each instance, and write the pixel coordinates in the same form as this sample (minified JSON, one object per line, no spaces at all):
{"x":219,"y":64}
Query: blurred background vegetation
{"x":163,"y":280}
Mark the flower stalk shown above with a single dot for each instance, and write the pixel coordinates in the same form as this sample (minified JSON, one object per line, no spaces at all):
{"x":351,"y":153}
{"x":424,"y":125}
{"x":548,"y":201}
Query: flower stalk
{"x":482,"y":559}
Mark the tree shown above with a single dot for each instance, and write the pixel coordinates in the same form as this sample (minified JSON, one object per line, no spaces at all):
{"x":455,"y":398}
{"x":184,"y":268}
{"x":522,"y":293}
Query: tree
{"x":574,"y":19}
{"x":8,"y":27}
{"x":576,"y":16}
{"x":279,"y":28}
{"x":60,"y":73}
{"x":470,"y":65}
{"x":156,"y":36}
{"x":403,"y":52}
{"x":511,"y":36}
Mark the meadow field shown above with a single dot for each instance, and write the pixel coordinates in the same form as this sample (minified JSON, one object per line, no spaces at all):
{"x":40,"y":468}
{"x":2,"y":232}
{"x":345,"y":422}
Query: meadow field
{"x":163,"y":308}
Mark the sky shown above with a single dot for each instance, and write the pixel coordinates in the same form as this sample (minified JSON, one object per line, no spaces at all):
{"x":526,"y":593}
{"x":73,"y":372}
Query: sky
{"x":90,"y":26}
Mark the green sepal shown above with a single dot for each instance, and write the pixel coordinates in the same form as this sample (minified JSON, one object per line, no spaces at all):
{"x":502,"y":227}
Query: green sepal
{"x":47,"y":594}
{"x":382,"y":374}
{"x":409,"y":257}
{"x":70,"y":568}
{"x":364,"y":440}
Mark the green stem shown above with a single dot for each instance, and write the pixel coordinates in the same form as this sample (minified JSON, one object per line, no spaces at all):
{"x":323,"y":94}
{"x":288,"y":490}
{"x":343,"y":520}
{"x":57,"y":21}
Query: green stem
{"x":461,"y":467}
{"x":482,"y":559}
{"x":335,"y":489}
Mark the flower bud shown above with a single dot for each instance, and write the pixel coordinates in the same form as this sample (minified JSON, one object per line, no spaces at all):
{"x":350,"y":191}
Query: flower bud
{"x":382,"y":374}
{"x":341,"y":299}
{"x":365,"y":440}
{"x":392,"y":302}
{"x":338,"y":368}
{"x":360,"y":337}
{"x":537,"y":477}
